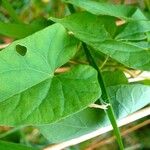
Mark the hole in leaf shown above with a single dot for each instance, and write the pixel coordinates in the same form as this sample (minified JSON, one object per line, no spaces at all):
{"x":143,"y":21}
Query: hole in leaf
{"x":22,"y":50}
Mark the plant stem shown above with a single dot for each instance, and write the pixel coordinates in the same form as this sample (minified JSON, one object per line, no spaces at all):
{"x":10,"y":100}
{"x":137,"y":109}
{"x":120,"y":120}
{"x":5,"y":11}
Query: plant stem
{"x":105,"y":96}
{"x":11,"y":11}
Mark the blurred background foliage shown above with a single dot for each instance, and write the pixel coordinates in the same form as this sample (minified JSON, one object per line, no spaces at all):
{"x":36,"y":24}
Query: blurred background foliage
{"x":38,"y":11}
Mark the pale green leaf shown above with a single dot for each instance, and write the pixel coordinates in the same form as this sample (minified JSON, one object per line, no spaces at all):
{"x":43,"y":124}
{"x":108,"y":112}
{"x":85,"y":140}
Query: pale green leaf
{"x":30,"y":92}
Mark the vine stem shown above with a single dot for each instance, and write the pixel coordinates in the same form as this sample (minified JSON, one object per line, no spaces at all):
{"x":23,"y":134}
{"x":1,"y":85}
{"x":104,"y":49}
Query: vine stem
{"x":105,"y":96}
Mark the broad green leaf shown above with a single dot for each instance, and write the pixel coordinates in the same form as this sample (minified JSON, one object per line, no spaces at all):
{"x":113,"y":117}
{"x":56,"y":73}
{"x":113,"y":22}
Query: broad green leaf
{"x":13,"y":146}
{"x":84,"y":121}
{"x":101,"y":8}
{"x":18,"y":30}
{"x":30,"y":92}
{"x":130,"y":54}
{"x":125,"y":100}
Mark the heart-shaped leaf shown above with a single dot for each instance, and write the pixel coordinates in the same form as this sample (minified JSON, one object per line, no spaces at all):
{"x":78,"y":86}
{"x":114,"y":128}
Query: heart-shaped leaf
{"x":30,"y":92}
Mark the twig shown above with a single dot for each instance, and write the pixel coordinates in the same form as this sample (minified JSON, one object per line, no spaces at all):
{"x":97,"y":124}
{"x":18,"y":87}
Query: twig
{"x":131,"y":118}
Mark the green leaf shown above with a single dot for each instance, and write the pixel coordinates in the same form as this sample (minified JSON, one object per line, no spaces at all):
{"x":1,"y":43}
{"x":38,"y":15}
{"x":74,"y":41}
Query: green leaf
{"x":101,"y":8}
{"x":30,"y":92}
{"x":18,"y":30}
{"x":12,"y":146}
{"x":125,"y":100}
{"x":130,"y":54}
